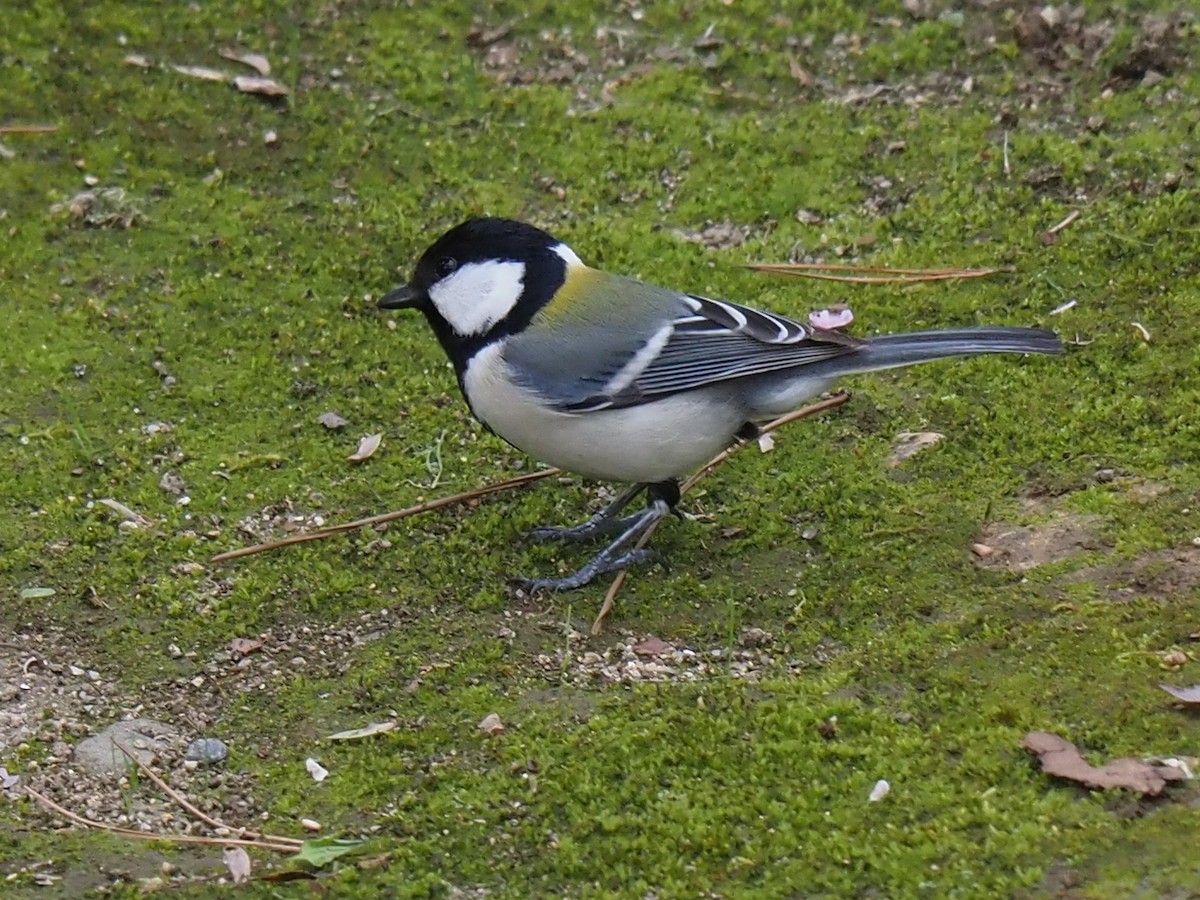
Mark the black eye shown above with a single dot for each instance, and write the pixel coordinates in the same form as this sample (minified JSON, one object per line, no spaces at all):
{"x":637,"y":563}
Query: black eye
{"x":446,"y":265}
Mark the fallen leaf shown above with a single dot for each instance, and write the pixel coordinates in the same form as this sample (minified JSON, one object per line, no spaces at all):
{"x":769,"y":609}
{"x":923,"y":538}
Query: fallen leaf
{"x":202,"y":72}
{"x":1187,"y":695}
{"x":130,"y":515}
{"x":801,"y":74}
{"x":316,"y":770}
{"x":8,"y":781}
{"x":240,"y":647}
{"x":1060,"y":758}
{"x":491,"y":724}
{"x":253,"y":84}
{"x":366,"y":448}
{"x":332,"y":421}
{"x":652,"y":646}
{"x":909,"y":443}
{"x":479,"y":36}
{"x":766,"y":443}
{"x":237,"y":861}
{"x":288,"y":875}
{"x":375,"y":862}
{"x":136,"y":59}
{"x":256,"y":61}
{"x":371,"y":730}
{"x":37,"y":593}
{"x":321,"y":852}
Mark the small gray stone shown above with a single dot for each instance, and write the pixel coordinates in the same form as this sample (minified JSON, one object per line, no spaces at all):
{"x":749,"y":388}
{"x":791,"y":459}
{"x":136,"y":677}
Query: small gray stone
{"x":145,"y":739}
{"x":207,"y":751}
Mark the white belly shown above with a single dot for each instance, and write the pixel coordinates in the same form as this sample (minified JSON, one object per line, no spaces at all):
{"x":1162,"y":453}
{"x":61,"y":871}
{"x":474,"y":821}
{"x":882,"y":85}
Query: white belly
{"x":648,"y":443}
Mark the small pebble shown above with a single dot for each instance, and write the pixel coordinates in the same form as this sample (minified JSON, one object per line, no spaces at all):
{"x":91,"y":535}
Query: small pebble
{"x":881,"y":790}
{"x":207,"y":751}
{"x":310,"y":824}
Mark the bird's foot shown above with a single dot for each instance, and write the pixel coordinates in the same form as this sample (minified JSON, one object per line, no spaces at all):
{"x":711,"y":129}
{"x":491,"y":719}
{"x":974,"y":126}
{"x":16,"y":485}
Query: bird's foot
{"x":607,"y":521}
{"x":587,"y":573}
{"x":594,"y":527}
{"x":613,"y":557}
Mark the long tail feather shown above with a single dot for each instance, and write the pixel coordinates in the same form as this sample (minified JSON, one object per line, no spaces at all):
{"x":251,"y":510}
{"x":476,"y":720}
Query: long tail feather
{"x":890,"y":351}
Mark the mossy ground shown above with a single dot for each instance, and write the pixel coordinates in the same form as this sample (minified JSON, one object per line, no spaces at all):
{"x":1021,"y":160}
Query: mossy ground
{"x":249,"y":282}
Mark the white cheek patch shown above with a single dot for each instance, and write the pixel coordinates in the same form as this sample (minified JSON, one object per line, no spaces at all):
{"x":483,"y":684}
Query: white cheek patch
{"x":567,"y":255}
{"x":478,"y":295}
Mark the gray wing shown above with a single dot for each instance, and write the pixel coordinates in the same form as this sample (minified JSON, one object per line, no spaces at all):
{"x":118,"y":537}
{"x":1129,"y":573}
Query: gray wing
{"x":674,"y":343}
{"x":720,"y":341}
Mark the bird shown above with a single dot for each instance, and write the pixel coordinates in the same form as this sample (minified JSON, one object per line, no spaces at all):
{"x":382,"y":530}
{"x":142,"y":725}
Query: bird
{"x":616,"y":379}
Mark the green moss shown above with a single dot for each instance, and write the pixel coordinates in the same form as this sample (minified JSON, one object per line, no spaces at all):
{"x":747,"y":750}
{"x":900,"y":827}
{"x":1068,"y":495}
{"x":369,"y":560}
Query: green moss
{"x":248,"y":283}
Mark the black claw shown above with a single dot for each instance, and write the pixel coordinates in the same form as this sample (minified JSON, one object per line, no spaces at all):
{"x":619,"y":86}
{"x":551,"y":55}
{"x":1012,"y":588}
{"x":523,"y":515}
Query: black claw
{"x":612,"y":557}
{"x":582,"y":576}
{"x":607,"y":521}
{"x":578,"y":534}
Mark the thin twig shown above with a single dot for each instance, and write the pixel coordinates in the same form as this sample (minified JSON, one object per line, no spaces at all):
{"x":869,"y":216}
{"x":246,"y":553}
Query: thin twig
{"x":190,"y":807}
{"x":1071,"y":217}
{"x":893,"y":276}
{"x":788,"y":268}
{"x":170,"y":792}
{"x":150,"y":835}
{"x":828,"y":403}
{"x":332,"y":530}
{"x":27,"y":129}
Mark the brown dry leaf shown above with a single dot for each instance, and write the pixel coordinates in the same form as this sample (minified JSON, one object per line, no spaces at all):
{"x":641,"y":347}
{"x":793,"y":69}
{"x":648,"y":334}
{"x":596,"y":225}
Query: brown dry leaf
{"x":202,"y":72}
{"x":802,"y":75}
{"x":479,"y":36}
{"x":1060,"y":758}
{"x":267,"y":87}
{"x":652,"y":646}
{"x":240,"y":647}
{"x":237,"y":861}
{"x":491,"y":725}
{"x":375,"y":862}
{"x":366,"y":448}
{"x":1188,"y":695}
{"x":256,"y":61}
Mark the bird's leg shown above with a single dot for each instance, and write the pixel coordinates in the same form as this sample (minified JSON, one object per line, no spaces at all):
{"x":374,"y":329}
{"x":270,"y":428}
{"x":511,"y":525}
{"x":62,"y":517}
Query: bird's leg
{"x":604,"y":522}
{"x":662,"y":496}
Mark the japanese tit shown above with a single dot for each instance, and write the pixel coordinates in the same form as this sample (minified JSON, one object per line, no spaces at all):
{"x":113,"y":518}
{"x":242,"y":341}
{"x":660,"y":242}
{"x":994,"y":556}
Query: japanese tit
{"x":616,"y":379}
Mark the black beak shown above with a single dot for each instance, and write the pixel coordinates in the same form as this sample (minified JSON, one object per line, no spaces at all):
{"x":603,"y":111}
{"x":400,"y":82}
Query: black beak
{"x":403,"y":297}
